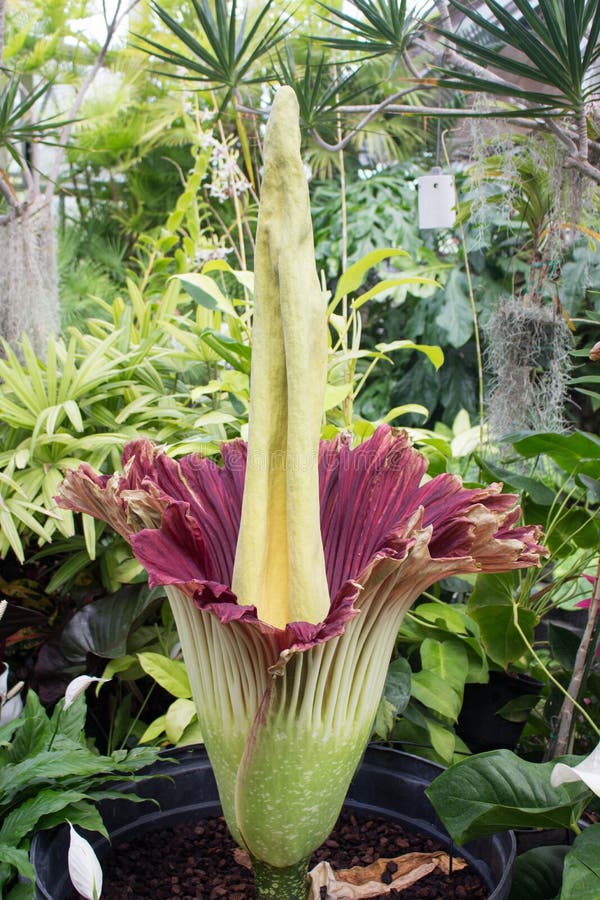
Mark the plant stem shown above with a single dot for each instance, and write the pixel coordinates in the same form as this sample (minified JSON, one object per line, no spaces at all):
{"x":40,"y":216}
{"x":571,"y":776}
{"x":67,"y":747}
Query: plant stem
{"x":554,"y":680}
{"x":272,"y":883}
{"x":561,"y":745}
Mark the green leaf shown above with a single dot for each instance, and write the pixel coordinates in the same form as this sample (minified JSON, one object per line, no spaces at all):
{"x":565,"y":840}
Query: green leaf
{"x":581,"y":877}
{"x":434,"y":354}
{"x":442,"y":615}
{"x":537,"y":874}
{"x":24,"y":890}
{"x":496,"y":791}
{"x":389,"y":283}
{"x":397,"y":684}
{"x":518,"y":710}
{"x":354,"y":275}
{"x":493,"y":608}
{"x":443,"y":740}
{"x":206,"y":292}
{"x":177,"y":718}
{"x":538,"y":491}
{"x":567,"y":450}
{"x":432,"y":691}
{"x":154,"y":730}
{"x":34,"y":734}
{"x":20,"y":822}
{"x":447,"y":660}
{"x":404,"y":410}
{"x":81,"y":813}
{"x":102,"y":627}
{"x":171,"y":674}
{"x":456,"y":316}
{"x":19,"y":859}
{"x":336,"y":394}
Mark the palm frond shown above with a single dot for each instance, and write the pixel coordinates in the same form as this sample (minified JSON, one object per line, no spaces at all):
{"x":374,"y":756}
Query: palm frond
{"x":17,"y":124}
{"x":319,"y":88}
{"x":553,"y":45}
{"x":230,"y":48}
{"x":386,"y":26}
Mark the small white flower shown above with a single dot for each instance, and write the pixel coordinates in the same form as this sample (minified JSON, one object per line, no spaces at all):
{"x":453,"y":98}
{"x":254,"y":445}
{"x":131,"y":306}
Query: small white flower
{"x":85,"y":870}
{"x":587,"y":771}
{"x":78,"y":686}
{"x":10,"y":706}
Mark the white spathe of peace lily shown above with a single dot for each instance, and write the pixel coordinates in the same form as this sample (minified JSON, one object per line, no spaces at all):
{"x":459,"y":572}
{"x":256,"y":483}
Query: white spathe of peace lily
{"x":78,"y":686}
{"x":85,"y":870}
{"x":587,"y":771}
{"x":10,"y":706}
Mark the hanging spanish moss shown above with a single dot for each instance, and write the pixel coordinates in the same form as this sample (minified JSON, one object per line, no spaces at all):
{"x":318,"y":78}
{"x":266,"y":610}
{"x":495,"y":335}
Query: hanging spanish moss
{"x":28,"y":278}
{"x":528,"y":359}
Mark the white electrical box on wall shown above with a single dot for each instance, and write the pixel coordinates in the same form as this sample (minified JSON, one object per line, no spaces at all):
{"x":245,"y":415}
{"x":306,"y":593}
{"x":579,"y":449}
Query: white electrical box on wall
{"x":437,"y":200}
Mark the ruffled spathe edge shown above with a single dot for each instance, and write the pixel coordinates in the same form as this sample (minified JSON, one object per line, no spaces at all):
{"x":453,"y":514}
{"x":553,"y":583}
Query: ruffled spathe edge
{"x":182,"y":520}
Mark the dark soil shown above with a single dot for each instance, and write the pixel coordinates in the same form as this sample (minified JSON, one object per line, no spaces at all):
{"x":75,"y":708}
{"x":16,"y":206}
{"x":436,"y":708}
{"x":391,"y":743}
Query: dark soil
{"x":194,"y":861}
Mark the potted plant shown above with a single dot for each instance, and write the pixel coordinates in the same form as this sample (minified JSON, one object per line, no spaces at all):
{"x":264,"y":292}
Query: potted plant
{"x":290,"y":567}
{"x":493,"y":791}
{"x":388,"y":784}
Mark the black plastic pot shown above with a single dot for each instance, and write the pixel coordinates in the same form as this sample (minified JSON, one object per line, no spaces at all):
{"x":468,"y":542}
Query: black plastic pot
{"x":480,"y":725}
{"x":388,"y":782}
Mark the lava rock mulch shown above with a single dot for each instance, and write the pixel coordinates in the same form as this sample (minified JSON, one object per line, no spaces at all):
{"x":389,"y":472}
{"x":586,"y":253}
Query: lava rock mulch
{"x":195,"y":861}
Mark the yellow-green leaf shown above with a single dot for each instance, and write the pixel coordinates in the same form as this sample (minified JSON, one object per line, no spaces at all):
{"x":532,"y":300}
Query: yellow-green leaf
{"x":169,"y":673}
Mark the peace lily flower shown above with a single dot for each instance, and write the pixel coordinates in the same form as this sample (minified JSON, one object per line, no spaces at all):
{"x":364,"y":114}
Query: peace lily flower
{"x":77,"y":686}
{"x":85,"y":870}
{"x":289,"y":567}
{"x":588,"y":771}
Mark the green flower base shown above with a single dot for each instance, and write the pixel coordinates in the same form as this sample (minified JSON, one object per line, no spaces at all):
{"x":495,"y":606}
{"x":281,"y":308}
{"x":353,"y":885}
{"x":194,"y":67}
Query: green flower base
{"x":272,"y":883}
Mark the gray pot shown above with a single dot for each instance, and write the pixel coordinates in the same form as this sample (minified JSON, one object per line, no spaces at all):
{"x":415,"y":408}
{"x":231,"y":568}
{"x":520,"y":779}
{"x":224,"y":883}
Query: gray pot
{"x":387,"y":783}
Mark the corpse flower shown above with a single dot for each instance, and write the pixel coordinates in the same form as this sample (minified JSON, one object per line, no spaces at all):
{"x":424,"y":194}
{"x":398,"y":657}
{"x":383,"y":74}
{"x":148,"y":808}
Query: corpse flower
{"x":290,"y":566}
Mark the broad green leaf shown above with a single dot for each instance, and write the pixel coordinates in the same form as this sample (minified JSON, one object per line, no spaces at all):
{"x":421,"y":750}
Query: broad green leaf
{"x":22,"y":821}
{"x":538,"y":873}
{"x":154,"y":730}
{"x":498,"y":790}
{"x":17,"y":858}
{"x":500,"y":637}
{"x":397,"y":411}
{"x":430,"y":690}
{"x":206,"y":292}
{"x":518,"y":710}
{"x":83,"y":813}
{"x":456,"y":316}
{"x":443,"y":740}
{"x":447,"y":660}
{"x":397,"y":684}
{"x":24,"y":890}
{"x":567,"y":450}
{"x":388,"y":284}
{"x":493,"y":608}
{"x":191,"y":735}
{"x":538,"y":491}
{"x":434,"y":354}
{"x":102,"y":627}
{"x":443,"y":615}
{"x":232,"y":352}
{"x":116,"y":666}
{"x":171,"y":674}
{"x":214,"y":417}
{"x":336,"y":394}
{"x":178,"y":716}
{"x":385,"y":718}
{"x":35,"y":732}
{"x":245,"y":277}
{"x":353,"y":277}
{"x":581,"y":876}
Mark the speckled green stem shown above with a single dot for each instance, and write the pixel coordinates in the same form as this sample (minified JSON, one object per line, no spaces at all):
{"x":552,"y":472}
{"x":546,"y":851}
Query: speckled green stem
{"x":272,"y":883}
